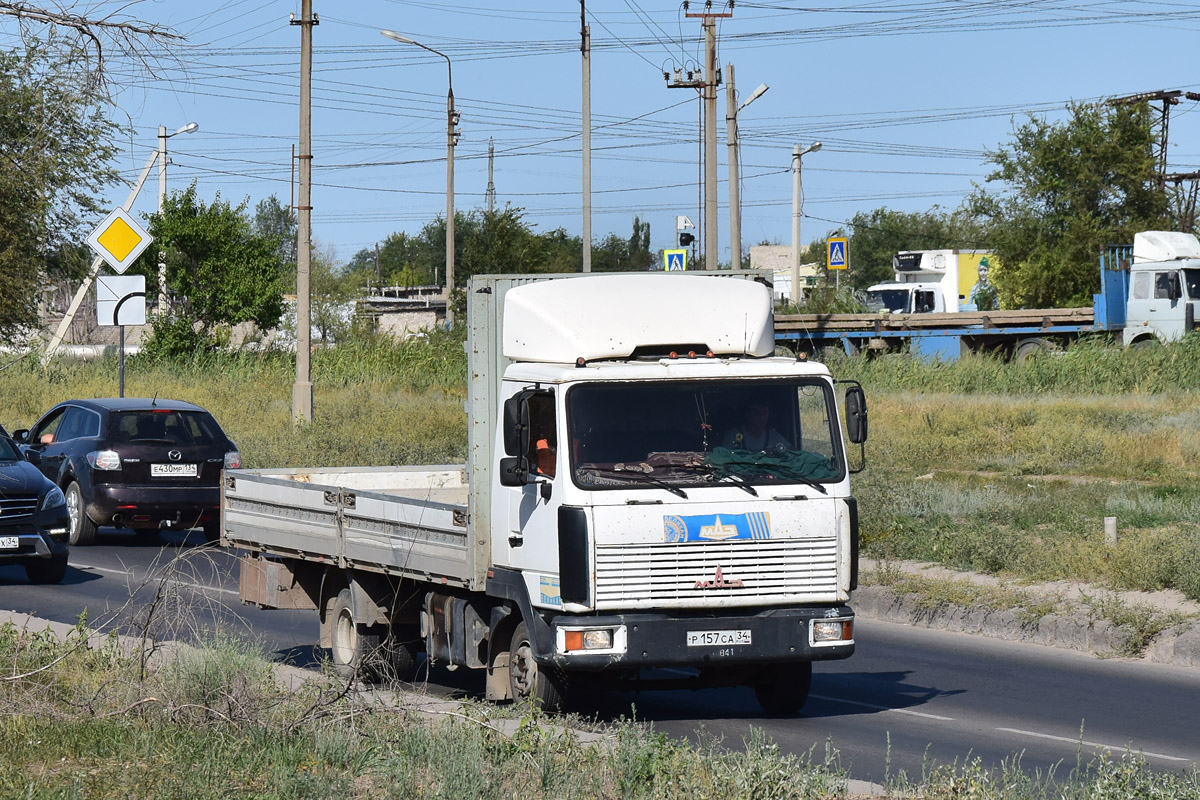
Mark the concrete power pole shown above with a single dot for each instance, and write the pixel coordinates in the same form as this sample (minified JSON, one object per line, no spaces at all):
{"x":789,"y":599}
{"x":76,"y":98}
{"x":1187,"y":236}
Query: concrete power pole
{"x":797,"y":211}
{"x":586,"y":49}
{"x":491,"y":190}
{"x":710,"y":143}
{"x":302,"y":392}
{"x":735,"y":200}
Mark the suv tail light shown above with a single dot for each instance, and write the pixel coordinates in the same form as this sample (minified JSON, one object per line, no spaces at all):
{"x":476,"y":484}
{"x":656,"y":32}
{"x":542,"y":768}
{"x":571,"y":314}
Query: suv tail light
{"x":233,"y":460}
{"x":104,"y":459}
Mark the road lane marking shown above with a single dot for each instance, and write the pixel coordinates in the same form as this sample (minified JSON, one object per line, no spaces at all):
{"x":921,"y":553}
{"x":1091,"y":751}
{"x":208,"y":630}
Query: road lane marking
{"x":1071,"y":740}
{"x":127,"y":573}
{"x":883,"y":708}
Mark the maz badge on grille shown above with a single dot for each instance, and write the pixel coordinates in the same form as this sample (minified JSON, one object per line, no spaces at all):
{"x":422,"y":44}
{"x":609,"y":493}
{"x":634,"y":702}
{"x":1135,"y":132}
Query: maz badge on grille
{"x":719,"y":582}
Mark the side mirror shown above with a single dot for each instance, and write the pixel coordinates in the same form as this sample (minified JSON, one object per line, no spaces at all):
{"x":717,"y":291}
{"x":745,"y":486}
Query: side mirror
{"x":514,"y":471}
{"x":516,"y":425}
{"x":856,"y":415}
{"x":1173,"y":291}
{"x":21,"y":436}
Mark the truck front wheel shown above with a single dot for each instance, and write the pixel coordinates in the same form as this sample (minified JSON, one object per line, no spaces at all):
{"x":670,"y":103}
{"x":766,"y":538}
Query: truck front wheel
{"x":544,"y":687}
{"x":354,"y":647}
{"x":783,"y":690}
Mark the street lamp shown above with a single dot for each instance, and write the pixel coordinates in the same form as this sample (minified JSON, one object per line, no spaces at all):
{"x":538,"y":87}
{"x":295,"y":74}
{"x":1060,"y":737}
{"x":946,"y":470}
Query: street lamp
{"x":191,"y":127}
{"x":451,"y":121}
{"x":797,"y":153}
{"x":735,"y":200}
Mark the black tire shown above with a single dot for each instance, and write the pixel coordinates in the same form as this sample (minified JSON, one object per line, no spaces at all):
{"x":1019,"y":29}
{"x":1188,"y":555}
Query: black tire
{"x":1029,"y":348}
{"x":355,"y":648}
{"x":545,"y":687}
{"x":782,"y":690}
{"x":47,"y":570}
{"x":83,"y":530}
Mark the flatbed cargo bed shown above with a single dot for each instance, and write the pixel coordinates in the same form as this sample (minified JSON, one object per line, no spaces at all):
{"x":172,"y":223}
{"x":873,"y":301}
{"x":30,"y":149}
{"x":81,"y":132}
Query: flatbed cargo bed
{"x":986,"y":320}
{"x":403,"y":521}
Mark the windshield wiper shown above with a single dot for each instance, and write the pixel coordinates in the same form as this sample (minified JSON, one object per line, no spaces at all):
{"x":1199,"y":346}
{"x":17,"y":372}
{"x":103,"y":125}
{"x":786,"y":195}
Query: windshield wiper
{"x":644,"y":476}
{"x":711,"y":471}
{"x":781,"y":469}
{"x":738,"y":481}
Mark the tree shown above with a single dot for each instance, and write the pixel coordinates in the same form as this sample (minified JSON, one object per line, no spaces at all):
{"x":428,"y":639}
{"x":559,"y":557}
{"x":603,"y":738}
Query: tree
{"x":276,"y":221}
{"x":56,"y":148}
{"x":1070,"y":189}
{"x":219,"y":271}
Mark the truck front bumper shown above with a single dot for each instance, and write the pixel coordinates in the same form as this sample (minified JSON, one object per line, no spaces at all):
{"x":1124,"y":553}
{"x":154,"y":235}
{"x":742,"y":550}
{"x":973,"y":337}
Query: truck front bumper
{"x":640,"y":641}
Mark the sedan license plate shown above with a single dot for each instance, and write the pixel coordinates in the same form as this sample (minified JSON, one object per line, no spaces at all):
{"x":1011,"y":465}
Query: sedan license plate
{"x":717,"y":638}
{"x":9,"y":542}
{"x":173,"y":470}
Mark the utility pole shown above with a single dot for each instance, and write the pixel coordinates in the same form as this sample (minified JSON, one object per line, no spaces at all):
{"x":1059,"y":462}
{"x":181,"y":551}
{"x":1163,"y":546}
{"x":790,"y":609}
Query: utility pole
{"x":302,"y":391}
{"x":585,"y":47}
{"x":735,"y":200}
{"x":491,"y":190}
{"x":708,"y":92}
{"x":191,"y":127}
{"x":797,"y":200}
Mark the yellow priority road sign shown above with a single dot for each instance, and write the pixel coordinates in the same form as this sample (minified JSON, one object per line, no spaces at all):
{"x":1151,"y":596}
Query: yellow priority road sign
{"x":119,"y":239}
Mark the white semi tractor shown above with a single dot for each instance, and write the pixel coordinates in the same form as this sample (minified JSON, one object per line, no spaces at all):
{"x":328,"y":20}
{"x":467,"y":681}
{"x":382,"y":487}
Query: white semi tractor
{"x":647,"y":486}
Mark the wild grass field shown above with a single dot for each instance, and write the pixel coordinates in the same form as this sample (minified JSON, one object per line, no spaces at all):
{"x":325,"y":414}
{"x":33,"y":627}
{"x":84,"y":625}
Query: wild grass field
{"x":102,"y":719}
{"x":1007,"y":469}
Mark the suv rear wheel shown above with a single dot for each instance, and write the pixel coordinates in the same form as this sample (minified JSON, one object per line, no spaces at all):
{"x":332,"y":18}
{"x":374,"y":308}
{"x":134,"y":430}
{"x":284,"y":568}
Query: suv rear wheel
{"x":83,"y":530}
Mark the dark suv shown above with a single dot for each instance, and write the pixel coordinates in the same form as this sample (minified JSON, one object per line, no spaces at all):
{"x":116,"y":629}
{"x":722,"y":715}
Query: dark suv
{"x":33,"y":518}
{"x":143,"y":464}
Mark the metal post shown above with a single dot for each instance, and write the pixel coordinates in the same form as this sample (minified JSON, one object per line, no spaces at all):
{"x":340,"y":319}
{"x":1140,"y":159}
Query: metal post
{"x":162,"y":196}
{"x":586,"y":48}
{"x":710,"y":143}
{"x":302,"y":392}
{"x":735,"y":200}
{"x":121,"y":369}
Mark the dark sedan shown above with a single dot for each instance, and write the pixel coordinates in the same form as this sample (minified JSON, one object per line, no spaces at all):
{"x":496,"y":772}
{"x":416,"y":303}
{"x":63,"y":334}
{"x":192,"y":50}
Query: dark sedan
{"x":33,"y":518}
{"x":138,"y":463}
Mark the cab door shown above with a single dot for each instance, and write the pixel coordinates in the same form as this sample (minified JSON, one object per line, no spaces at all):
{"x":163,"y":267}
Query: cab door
{"x":529,"y":512}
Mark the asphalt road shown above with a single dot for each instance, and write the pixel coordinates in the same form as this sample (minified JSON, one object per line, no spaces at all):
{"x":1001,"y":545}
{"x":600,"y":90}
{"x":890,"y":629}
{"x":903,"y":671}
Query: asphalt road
{"x":909,"y":697}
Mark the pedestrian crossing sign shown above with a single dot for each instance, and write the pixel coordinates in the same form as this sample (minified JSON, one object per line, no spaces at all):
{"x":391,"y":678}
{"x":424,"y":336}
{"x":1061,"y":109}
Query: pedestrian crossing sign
{"x":837,"y":254}
{"x":675,"y":260}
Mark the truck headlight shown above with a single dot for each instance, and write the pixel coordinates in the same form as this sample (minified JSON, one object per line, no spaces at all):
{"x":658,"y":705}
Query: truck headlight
{"x":840,"y":630}
{"x":53,"y":499}
{"x":592,"y":639}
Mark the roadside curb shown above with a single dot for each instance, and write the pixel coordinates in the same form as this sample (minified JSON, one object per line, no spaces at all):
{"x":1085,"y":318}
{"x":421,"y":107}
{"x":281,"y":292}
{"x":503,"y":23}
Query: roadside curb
{"x":1177,"y":647}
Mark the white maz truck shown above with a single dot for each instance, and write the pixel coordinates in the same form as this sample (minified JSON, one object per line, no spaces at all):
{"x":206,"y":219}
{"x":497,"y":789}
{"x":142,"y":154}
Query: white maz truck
{"x":646,"y":487}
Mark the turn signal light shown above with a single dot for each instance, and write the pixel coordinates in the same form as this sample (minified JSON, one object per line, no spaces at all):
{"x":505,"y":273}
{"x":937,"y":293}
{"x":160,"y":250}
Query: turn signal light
{"x":588,"y":640}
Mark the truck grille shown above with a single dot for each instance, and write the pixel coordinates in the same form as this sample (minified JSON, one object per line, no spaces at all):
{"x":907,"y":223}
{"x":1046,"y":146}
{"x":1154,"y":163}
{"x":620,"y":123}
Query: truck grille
{"x":792,"y":569}
{"x":17,"y":506}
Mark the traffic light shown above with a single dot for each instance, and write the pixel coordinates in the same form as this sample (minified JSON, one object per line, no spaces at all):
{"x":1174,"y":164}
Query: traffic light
{"x":686,"y":239}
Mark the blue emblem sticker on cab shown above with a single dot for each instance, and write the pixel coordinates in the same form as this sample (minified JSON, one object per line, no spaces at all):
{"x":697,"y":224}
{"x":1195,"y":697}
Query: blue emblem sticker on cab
{"x":551,"y":594}
{"x":716,"y":527}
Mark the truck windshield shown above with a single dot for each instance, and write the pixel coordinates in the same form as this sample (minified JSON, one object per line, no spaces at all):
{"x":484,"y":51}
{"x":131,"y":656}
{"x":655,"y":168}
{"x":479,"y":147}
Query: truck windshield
{"x":893,"y":300}
{"x":697,"y":433}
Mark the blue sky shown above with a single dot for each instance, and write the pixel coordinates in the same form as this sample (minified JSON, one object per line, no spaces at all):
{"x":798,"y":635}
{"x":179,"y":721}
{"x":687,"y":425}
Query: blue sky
{"x":904,"y":94}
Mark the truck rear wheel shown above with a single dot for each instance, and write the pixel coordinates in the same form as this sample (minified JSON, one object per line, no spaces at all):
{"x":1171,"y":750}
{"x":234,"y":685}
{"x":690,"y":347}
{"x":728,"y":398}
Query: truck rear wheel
{"x":782,"y":690}
{"x":354,"y":647}
{"x":544,"y":687}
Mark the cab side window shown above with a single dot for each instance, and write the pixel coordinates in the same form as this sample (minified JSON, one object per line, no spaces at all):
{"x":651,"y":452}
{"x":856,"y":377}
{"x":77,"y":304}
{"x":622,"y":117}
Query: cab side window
{"x":1166,"y":285}
{"x":1141,"y":286}
{"x":543,"y":438}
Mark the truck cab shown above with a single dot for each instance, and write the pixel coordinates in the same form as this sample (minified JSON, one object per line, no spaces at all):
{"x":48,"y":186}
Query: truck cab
{"x":1164,"y":287}
{"x":669,"y":494}
{"x":906,"y":298}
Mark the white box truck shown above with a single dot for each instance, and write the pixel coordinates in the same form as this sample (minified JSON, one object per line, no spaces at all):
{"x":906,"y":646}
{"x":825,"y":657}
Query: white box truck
{"x":647,"y":486}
